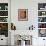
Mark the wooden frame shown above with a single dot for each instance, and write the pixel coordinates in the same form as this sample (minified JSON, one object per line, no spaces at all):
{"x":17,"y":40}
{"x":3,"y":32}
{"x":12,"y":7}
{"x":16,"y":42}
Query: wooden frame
{"x":22,"y":14}
{"x":42,"y":32}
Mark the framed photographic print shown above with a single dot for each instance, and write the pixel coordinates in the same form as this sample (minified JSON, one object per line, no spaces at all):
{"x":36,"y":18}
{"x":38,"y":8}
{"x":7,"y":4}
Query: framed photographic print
{"x":22,"y":14}
{"x":42,"y":32}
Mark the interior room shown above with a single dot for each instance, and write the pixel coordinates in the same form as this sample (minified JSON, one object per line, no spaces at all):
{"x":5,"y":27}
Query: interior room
{"x":22,"y":22}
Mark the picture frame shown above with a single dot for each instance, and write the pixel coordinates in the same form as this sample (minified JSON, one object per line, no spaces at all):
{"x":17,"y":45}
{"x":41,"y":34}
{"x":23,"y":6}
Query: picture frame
{"x":22,"y":14}
{"x":42,"y":32}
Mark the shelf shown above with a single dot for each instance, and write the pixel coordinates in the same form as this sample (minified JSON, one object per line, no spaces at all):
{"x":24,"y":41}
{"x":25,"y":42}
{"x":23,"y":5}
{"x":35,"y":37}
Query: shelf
{"x":4,"y":19}
{"x":3,"y":10}
{"x":3,"y":22}
{"x":41,"y":22}
{"x":42,"y":16}
{"x":41,"y":10}
{"x":42,"y":19}
{"x":3,"y":16}
{"x":41,"y":28}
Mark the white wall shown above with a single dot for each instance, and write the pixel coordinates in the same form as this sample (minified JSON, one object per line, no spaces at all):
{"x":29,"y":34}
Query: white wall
{"x":32,"y":6}
{"x":23,"y":4}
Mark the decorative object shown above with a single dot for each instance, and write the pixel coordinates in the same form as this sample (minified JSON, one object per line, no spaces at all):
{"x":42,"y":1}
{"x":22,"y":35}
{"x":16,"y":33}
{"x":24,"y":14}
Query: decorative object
{"x":18,"y":42}
{"x":41,"y":6}
{"x":23,"y":14}
{"x":41,"y":19}
{"x":0,"y":7}
{"x":31,"y":27}
{"x":3,"y":19}
{"x":41,"y":25}
{"x":3,"y":13}
{"x":43,"y":13}
{"x":23,"y":40}
{"x":23,"y":43}
{"x":13,"y":27}
{"x":4,"y":29}
{"x":3,"y":26}
{"x":6,"y":7}
{"x":3,"y":6}
{"x":42,"y":32}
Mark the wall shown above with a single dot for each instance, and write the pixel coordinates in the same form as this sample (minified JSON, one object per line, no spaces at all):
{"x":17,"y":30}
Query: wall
{"x":32,"y":6}
{"x":32,"y":9}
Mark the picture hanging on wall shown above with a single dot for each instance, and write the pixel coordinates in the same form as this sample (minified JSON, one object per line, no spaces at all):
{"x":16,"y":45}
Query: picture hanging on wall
{"x":42,"y":33}
{"x":22,"y":14}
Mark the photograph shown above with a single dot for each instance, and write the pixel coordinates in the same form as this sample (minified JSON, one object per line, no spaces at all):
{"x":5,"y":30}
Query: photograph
{"x":23,"y":14}
{"x":42,"y":32}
